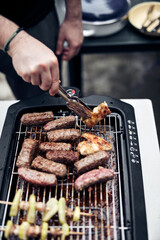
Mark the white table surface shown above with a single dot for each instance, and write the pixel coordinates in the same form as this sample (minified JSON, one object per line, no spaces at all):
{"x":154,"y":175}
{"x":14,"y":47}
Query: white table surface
{"x":150,"y":157}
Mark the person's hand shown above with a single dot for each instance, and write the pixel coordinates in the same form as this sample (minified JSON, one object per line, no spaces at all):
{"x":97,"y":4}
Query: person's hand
{"x":71,"y":32}
{"x":34,"y":62}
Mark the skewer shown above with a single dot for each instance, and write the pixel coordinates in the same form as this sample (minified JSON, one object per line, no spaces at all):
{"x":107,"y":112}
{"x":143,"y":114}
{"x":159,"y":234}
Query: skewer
{"x":35,"y":231}
{"x":41,"y":207}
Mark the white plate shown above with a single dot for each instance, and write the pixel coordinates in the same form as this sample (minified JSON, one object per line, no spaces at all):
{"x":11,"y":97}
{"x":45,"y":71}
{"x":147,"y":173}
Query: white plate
{"x":138,"y":14}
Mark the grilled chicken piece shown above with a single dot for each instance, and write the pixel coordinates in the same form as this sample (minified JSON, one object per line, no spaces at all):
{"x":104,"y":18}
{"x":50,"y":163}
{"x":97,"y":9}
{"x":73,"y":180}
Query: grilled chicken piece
{"x":27,"y":153}
{"x":63,"y":135}
{"x":46,"y":165}
{"x":99,"y":113}
{"x":36,"y":118}
{"x":93,"y":144}
{"x":93,"y":177}
{"x":37,"y":178}
{"x":91,"y":161}
{"x":64,"y":122}
{"x":55,"y":146}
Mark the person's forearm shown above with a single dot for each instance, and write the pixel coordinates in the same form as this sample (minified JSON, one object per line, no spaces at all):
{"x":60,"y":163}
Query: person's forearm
{"x":32,"y":60}
{"x":73,"y":9}
{"x":7,"y":28}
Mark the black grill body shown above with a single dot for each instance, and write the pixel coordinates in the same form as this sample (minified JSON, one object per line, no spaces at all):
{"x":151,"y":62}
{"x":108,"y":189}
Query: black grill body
{"x":132,"y":192}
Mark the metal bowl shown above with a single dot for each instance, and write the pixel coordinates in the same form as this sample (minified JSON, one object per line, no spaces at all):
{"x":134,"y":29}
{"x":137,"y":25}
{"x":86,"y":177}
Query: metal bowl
{"x":104,"y":17}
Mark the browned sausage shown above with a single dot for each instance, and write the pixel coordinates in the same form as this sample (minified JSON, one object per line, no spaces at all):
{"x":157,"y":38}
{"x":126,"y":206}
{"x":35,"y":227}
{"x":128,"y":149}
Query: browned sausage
{"x":26,"y":155}
{"x":36,"y":118}
{"x":63,"y":135}
{"x":46,"y":165}
{"x":66,"y":157}
{"x":91,"y":161}
{"x":64,"y":122}
{"x":37,"y":178}
{"x":52,"y":146}
{"x":92,"y":177}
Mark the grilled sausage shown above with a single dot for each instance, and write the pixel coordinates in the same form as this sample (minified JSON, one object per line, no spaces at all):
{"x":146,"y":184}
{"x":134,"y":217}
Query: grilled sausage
{"x":46,"y":165}
{"x":64,"y":122}
{"x":92,"y":177}
{"x":52,"y":146}
{"x":67,"y":157}
{"x":37,"y":178}
{"x":63,"y":135}
{"x":91,"y":161}
{"x":36,"y":118}
{"x":26,"y":155}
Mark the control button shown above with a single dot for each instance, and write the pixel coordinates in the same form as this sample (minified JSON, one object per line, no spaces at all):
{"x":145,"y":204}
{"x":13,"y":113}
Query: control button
{"x":71,"y":92}
{"x":132,"y":149}
{"x":134,"y":161}
{"x":134,"y":155}
{"x":131,"y":143}
{"x":131,"y":122}
{"x":129,"y":126}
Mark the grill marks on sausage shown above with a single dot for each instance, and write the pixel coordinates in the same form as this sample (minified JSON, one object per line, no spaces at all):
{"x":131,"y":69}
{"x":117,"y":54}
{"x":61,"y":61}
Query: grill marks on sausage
{"x":27,"y":153}
{"x":64,"y":122}
{"x":52,"y":146}
{"x":93,"y":177}
{"x":66,"y":157}
{"x":37,"y":178}
{"x":46,"y":165}
{"x":37,"y":118}
{"x":92,"y":161}
{"x":63,"y":135}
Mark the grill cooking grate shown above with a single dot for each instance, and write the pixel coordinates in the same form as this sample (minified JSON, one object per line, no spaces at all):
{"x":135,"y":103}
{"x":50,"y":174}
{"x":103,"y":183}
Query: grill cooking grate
{"x":104,"y":200}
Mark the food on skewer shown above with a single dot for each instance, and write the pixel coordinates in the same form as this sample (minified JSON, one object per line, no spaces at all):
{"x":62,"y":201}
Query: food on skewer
{"x":93,"y":177}
{"x":27,"y":153}
{"x":44,"y":230}
{"x":15,"y":204}
{"x":48,"y":210}
{"x":23,"y":228}
{"x":37,"y":118}
{"x":71,"y":134}
{"x":98,"y":113}
{"x":91,"y":161}
{"x":76,"y":214}
{"x":51,"y":208}
{"x":31,"y":215}
{"x":62,"y":210}
{"x":63,"y":122}
{"x":54,"y":146}
{"x":37,"y":178}
{"x":25,"y":231}
{"x":66,"y":157}
{"x":93,"y":144}
{"x":46,"y":165}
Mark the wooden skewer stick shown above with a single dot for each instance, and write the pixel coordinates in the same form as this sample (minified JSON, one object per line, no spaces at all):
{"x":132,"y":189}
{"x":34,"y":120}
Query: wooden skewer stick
{"x":68,"y":211}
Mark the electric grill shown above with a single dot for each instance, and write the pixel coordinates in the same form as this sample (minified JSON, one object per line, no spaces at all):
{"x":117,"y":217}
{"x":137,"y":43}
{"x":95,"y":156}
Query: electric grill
{"x":118,"y":205}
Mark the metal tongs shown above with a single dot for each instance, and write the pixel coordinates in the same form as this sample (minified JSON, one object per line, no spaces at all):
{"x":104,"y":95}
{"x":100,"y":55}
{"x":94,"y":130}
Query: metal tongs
{"x":75,"y":104}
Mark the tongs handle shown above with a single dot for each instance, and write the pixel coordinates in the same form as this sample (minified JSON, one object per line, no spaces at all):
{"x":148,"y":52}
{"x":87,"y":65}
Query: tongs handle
{"x":75,"y":104}
{"x":61,"y":92}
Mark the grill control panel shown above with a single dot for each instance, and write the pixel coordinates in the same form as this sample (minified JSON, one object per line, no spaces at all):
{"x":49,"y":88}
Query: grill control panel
{"x":133,"y":146}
